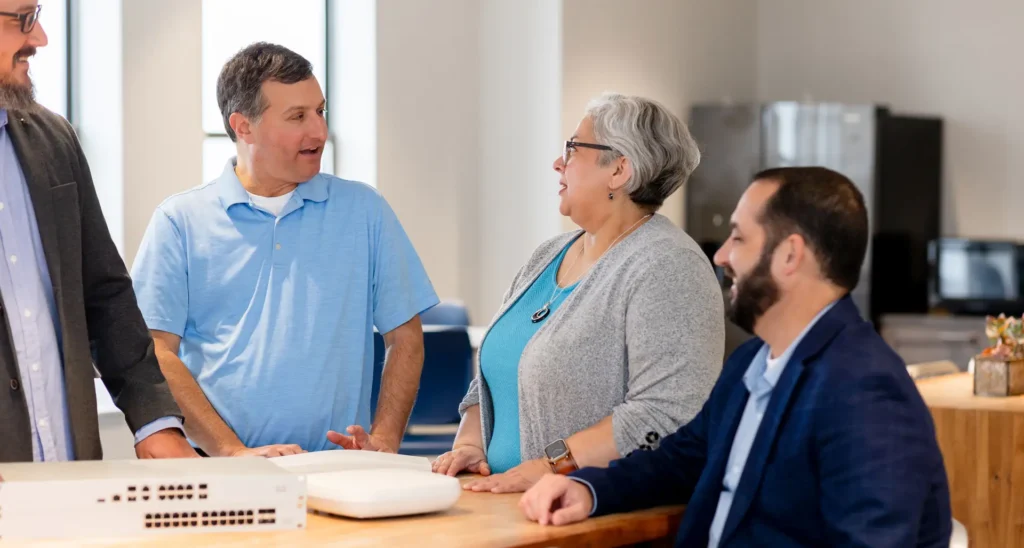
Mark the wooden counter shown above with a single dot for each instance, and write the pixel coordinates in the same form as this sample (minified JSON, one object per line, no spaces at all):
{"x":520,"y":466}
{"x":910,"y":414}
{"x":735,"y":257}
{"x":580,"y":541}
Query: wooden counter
{"x":479,"y":519}
{"x":982,"y":442}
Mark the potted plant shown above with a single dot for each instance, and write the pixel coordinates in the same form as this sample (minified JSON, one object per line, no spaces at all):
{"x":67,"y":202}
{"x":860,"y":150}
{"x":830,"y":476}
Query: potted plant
{"x":999,"y":369}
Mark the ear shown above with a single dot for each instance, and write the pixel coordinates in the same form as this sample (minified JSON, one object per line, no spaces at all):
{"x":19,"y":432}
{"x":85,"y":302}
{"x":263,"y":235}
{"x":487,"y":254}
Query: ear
{"x":790,"y":255}
{"x":241,"y":126}
{"x":622,"y":173}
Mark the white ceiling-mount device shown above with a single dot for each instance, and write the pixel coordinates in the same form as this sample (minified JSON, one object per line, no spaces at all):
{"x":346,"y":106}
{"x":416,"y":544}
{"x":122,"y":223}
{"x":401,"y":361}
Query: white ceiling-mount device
{"x":366,"y":484}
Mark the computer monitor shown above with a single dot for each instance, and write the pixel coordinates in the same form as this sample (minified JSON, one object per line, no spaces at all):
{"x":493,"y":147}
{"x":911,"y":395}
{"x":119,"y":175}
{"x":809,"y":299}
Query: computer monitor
{"x":975,"y":276}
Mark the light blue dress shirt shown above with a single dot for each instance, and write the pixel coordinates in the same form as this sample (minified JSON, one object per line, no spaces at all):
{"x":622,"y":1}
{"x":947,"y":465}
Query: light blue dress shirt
{"x":276,"y":312}
{"x":760,"y":381}
{"x":26,"y":290}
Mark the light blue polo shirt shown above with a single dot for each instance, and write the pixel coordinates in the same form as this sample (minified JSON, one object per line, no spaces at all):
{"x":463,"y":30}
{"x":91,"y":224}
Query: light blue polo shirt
{"x":276,"y":314}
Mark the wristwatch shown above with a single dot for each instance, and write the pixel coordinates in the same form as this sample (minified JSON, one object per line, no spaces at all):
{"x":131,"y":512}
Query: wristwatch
{"x":560,"y":458}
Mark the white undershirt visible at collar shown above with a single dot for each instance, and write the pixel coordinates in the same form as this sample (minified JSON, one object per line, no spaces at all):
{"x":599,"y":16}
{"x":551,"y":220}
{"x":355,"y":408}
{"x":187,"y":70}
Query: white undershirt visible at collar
{"x":772,"y":363}
{"x":274,"y":205}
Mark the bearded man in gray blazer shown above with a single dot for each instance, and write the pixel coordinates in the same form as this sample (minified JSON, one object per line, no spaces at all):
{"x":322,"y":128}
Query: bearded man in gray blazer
{"x":66,"y":300}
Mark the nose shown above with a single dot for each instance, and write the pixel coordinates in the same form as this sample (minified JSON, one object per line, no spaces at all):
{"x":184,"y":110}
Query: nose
{"x":320,"y":130}
{"x":559,"y":165}
{"x":721,"y":257}
{"x":37,"y":38}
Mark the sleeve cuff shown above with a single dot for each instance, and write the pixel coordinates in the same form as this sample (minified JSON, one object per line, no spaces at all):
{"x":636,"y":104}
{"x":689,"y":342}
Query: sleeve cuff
{"x":593,"y":493}
{"x":156,"y":426}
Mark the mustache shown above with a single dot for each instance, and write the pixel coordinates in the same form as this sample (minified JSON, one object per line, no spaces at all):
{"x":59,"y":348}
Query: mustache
{"x":27,"y":51}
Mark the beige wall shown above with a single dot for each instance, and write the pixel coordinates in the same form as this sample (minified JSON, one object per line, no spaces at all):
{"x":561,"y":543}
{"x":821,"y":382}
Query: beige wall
{"x":162,"y":109}
{"x":427,"y":95}
{"x":957,"y":59}
{"x":673,"y":51}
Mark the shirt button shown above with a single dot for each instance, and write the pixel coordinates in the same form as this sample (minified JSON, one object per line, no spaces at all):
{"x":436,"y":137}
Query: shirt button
{"x":14,"y":384}
{"x":35,"y":367}
{"x":1,"y":206}
{"x":14,"y":259}
{"x":278,"y":246}
{"x":28,"y":313}
{"x":42,"y":423}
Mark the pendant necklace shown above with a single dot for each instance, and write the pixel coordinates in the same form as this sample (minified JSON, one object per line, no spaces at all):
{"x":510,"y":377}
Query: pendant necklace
{"x":545,"y":310}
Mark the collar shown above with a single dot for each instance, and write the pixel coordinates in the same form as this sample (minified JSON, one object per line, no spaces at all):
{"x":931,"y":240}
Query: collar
{"x":758,"y":369}
{"x":3,"y":117}
{"x":231,"y":192}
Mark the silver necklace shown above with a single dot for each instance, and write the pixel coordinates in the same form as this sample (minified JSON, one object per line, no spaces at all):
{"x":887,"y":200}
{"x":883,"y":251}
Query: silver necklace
{"x":545,"y":310}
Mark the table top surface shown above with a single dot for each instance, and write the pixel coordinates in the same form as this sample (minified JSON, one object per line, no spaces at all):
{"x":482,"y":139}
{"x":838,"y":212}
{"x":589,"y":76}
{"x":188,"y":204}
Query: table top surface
{"x":956,"y":391}
{"x":478,"y":519}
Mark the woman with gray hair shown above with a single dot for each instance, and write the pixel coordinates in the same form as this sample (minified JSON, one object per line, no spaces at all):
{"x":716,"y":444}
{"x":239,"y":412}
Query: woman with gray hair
{"x":610,"y":336}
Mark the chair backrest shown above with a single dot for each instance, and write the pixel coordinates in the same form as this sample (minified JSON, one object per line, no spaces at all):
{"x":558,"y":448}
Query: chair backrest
{"x":446,"y":313}
{"x":447,"y":372}
{"x":931,"y":369}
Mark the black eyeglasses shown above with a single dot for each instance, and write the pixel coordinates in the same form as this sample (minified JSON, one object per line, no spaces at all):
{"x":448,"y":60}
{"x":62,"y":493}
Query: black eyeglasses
{"x":573,"y":145}
{"x":27,"y":19}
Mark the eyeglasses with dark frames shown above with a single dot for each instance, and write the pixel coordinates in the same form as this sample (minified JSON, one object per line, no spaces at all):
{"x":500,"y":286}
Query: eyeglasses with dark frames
{"x":571,"y":145}
{"x":27,"y":19}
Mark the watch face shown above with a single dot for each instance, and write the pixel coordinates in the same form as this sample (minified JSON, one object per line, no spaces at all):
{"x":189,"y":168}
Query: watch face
{"x":556,"y":449}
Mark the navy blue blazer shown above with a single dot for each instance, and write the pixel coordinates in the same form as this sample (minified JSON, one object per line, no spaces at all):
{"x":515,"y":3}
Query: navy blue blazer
{"x":845,"y":455}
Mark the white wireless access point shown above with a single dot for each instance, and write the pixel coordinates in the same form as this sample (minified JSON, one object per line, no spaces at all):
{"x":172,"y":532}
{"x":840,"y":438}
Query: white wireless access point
{"x":367,"y":484}
{"x":144,"y":497}
{"x":341,"y":460}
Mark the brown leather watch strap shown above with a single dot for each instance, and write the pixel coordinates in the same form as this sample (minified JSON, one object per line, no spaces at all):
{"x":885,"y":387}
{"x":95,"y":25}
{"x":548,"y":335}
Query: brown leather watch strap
{"x":565,"y":465}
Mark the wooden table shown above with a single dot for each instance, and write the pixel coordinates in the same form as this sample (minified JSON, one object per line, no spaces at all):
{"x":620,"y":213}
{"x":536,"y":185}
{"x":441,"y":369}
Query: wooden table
{"x":479,"y":519}
{"x":982,"y":442}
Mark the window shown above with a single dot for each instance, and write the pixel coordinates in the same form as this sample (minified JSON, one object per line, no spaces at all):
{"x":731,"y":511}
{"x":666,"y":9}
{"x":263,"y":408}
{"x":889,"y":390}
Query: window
{"x":229,"y":26}
{"x":49,"y":67}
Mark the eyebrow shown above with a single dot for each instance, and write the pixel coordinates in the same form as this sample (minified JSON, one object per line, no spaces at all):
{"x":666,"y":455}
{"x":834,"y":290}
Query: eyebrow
{"x":26,"y":7}
{"x":574,"y":137}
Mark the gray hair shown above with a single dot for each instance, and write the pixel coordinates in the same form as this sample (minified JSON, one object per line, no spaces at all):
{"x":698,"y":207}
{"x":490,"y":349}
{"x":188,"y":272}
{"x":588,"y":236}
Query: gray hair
{"x":655,"y":141}
{"x":240,"y":84}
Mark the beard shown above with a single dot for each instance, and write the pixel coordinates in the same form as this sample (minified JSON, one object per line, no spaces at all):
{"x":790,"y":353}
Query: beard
{"x":15,"y":95}
{"x":754,"y":294}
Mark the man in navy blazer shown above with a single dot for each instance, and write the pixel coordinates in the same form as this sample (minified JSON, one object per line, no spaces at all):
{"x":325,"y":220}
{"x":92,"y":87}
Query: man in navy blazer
{"x":814,"y":434}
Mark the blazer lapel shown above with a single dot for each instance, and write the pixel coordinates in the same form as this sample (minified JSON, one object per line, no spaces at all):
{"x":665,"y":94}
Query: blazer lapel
{"x":32,"y":165}
{"x":828,"y":326}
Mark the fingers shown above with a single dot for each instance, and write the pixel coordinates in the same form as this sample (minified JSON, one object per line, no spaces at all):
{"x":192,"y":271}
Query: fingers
{"x":360,"y":435}
{"x":344,"y":441}
{"x":542,"y":498}
{"x":480,"y":467}
{"x":290,"y":449}
{"x":570,"y":514}
{"x":443,"y":464}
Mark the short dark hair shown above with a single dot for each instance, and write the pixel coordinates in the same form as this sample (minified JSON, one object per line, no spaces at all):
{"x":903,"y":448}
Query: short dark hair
{"x":240,"y":84}
{"x":827,"y":210}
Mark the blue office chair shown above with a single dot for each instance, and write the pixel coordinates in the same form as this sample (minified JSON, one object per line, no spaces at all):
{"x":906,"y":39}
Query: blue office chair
{"x":446,"y":313}
{"x":447,"y":372}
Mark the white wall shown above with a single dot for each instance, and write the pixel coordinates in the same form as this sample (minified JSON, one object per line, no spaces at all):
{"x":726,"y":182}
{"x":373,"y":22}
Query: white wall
{"x":676,"y":52}
{"x":959,"y":60}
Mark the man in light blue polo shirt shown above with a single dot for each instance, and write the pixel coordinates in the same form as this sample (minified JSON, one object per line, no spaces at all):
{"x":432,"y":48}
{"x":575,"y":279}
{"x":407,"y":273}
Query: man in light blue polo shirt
{"x":262,"y":287}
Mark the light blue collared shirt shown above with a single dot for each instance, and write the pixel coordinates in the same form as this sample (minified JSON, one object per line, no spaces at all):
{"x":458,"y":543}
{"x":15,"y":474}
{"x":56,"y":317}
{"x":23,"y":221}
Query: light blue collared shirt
{"x":276,"y":312}
{"x":26,"y":291}
{"x":760,"y":381}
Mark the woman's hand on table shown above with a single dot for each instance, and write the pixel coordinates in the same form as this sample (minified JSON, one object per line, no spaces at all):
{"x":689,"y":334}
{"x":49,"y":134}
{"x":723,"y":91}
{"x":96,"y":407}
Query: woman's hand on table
{"x":516,"y":480}
{"x":557,"y":500}
{"x":467,"y":457}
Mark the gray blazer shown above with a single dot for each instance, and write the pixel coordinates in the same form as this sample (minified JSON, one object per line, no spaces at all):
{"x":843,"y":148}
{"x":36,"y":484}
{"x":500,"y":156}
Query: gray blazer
{"x":640,"y":339}
{"x":95,"y":301}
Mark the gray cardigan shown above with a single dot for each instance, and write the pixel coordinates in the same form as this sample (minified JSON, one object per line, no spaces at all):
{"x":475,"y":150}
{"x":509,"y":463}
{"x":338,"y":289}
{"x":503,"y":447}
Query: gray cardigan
{"x":640,"y":339}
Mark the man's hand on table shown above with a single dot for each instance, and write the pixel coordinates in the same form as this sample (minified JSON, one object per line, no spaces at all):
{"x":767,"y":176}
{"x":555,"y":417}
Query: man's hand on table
{"x":165,"y":444}
{"x":557,"y":500}
{"x":358,"y":439}
{"x":276,"y":450}
{"x":516,"y":480}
